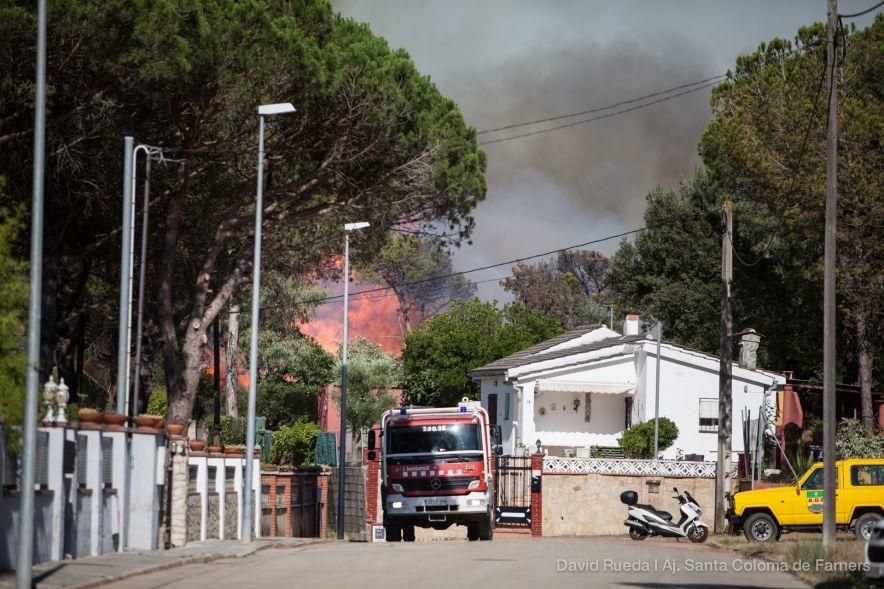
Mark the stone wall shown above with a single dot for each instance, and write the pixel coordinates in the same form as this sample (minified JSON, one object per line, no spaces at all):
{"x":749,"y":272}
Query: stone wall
{"x":589,"y":504}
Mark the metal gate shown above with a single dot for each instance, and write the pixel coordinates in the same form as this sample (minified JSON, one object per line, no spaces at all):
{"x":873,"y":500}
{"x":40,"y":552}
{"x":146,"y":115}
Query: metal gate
{"x":512,"y":501}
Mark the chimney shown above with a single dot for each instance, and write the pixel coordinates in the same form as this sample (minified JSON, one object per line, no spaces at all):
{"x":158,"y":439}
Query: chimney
{"x":749,"y":341}
{"x":630,"y":325}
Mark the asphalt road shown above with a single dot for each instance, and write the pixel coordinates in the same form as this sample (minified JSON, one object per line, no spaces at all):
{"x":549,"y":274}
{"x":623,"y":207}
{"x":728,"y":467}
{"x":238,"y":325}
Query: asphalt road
{"x":548,"y":562}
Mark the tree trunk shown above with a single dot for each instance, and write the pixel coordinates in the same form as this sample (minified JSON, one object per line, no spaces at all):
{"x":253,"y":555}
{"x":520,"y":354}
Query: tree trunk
{"x":232,"y":354}
{"x":181,"y":405}
{"x":864,"y":356}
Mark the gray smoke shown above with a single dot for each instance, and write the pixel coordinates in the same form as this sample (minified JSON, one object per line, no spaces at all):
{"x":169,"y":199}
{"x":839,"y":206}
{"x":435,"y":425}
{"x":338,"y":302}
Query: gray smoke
{"x":507,"y":62}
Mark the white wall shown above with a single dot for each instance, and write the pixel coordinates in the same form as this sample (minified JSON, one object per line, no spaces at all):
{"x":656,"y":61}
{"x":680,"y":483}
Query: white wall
{"x":682,"y":387}
{"x":508,"y":427}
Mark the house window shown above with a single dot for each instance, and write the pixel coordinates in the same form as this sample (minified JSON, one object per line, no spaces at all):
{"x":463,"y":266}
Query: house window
{"x":506,"y":408}
{"x":708,"y":415}
{"x":628,"y":421}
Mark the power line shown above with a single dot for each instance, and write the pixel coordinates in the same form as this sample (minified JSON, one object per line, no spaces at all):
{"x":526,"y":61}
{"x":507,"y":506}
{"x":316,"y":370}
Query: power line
{"x":864,"y":12}
{"x":597,"y":118}
{"x":601,"y":108}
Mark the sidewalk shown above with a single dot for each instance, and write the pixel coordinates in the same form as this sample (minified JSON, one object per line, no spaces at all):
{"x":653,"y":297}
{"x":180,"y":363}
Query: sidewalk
{"x":95,"y":571}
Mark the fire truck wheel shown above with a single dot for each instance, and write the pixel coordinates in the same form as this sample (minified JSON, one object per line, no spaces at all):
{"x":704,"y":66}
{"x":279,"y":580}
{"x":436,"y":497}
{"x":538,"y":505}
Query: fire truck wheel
{"x":486,"y":530}
{"x":393,"y":533}
{"x":408,"y":533}
{"x":473,"y":531}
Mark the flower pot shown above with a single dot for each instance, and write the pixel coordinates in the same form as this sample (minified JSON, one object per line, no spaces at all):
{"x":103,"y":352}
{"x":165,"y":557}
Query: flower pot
{"x":175,"y":429}
{"x":214,"y":449}
{"x":114,"y":419}
{"x":147,"y":421}
{"x":197,"y":445}
{"x":234,"y":451}
{"x":87,"y":415}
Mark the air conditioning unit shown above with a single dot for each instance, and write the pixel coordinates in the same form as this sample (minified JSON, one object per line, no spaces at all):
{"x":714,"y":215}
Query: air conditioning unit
{"x":581,"y":452}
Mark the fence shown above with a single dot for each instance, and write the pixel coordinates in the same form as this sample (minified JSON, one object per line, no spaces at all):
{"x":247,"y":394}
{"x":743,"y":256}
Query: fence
{"x":354,"y":501}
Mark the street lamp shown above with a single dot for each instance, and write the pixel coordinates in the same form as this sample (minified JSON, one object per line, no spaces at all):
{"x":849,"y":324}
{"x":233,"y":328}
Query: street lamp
{"x":265,"y":110}
{"x":348,"y":227}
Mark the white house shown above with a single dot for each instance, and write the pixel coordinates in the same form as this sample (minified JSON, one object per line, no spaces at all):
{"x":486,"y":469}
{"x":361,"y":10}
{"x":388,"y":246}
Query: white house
{"x":584,"y":387}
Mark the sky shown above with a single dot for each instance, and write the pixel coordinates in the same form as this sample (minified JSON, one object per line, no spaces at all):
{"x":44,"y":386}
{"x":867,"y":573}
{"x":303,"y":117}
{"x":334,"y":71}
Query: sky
{"x":511,"y":61}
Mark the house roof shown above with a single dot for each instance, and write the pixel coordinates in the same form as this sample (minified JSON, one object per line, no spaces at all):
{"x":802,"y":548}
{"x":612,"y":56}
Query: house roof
{"x":555,"y":348}
{"x":543,"y":350}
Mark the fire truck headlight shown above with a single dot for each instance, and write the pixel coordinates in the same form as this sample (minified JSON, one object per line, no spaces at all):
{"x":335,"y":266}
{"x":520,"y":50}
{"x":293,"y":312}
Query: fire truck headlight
{"x":473,"y":484}
{"x":396,"y":505}
{"x":397,"y":487}
{"x":475,"y":502}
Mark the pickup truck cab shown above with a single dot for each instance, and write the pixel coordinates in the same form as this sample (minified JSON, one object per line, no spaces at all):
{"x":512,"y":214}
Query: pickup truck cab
{"x":859,"y":502}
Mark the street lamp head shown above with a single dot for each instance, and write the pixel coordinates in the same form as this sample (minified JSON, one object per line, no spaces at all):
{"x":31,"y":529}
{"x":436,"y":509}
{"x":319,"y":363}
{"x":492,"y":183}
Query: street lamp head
{"x":281,"y":108}
{"x":355,"y":226}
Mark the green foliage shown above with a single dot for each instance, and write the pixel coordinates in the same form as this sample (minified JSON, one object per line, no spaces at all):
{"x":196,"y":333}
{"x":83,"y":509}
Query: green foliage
{"x":371,"y":373}
{"x":158,"y":400}
{"x":293,"y":366}
{"x":373,"y":138}
{"x":13,"y":309}
{"x":852,"y":441}
{"x":295,"y":443}
{"x":440,"y":352}
{"x":638,"y":441}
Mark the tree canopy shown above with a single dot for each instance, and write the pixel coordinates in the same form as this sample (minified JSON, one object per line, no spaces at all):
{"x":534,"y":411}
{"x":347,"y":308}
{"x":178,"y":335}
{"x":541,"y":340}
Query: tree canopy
{"x":440,"y":352}
{"x":13,"y":312}
{"x":371,"y":373}
{"x":372,"y":140}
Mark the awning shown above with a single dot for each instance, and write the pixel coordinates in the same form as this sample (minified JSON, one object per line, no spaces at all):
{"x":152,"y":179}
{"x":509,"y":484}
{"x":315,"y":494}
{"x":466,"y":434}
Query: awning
{"x":560,"y":386}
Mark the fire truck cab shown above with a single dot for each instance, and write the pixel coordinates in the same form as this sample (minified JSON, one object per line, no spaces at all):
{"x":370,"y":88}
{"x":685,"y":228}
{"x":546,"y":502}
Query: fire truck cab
{"x":436,"y":469}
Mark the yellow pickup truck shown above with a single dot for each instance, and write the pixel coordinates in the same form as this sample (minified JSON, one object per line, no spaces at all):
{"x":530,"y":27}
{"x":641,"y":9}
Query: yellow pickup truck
{"x":859,"y":502}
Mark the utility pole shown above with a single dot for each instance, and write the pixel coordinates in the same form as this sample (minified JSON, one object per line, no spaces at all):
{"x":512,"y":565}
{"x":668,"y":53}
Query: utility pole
{"x":829,"y":281}
{"x":35,"y":299}
{"x":723,"y":466}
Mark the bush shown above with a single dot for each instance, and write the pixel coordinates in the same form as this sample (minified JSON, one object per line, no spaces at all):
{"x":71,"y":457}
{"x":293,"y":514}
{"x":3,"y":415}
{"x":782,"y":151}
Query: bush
{"x":157,"y":401}
{"x":852,"y":441}
{"x":638,"y":441}
{"x":294,"y":444}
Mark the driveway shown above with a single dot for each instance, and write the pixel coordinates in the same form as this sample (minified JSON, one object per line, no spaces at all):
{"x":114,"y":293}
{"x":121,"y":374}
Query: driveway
{"x":547,"y":562}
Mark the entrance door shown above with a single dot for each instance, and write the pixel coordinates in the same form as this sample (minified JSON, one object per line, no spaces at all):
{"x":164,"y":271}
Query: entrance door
{"x":492,"y":409}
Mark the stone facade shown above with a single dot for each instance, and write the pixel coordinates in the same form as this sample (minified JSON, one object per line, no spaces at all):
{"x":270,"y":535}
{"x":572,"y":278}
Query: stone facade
{"x":179,"y":499}
{"x":589,"y":504}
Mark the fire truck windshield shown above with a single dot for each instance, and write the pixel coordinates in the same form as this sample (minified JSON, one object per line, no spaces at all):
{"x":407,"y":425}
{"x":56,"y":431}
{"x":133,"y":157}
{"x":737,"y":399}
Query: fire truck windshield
{"x":434,"y":439}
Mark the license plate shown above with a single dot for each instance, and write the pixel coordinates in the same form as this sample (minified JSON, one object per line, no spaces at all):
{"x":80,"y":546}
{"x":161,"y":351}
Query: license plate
{"x":434,"y":501}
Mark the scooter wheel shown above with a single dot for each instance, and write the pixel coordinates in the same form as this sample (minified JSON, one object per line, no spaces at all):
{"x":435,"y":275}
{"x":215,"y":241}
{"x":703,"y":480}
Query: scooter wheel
{"x":637,"y":534}
{"x":698,"y":534}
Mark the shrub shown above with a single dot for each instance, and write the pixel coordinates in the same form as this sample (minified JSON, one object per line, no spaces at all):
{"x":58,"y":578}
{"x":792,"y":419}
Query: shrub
{"x":638,"y":441}
{"x":852,"y":441}
{"x":157,"y":401}
{"x":294,"y":444}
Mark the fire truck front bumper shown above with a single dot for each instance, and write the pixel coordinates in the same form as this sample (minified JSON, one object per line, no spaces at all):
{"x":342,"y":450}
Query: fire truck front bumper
{"x":437,"y":507}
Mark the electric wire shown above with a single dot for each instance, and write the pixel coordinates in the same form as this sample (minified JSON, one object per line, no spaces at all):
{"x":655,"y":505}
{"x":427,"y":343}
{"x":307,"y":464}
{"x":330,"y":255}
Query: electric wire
{"x":600,"y":108}
{"x":863,"y":12}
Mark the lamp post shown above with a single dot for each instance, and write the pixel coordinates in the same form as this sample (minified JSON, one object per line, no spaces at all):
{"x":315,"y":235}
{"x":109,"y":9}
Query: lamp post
{"x":348,"y":227}
{"x":264,"y":110}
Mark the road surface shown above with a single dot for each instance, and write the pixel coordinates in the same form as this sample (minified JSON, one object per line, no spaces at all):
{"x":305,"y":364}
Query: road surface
{"x":547,"y":562}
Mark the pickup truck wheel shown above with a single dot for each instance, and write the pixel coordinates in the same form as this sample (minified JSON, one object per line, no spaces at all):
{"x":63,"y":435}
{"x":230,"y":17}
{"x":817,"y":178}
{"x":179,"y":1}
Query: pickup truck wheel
{"x":761,"y":527}
{"x":408,"y":533}
{"x":864,"y":525}
{"x":393,"y":533}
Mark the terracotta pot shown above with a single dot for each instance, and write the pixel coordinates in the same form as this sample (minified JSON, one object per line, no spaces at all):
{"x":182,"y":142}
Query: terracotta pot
{"x":197,"y":445}
{"x":234,"y":450}
{"x":145,"y":420}
{"x":87,"y":415}
{"x":175,"y":429}
{"x":115,"y":419}
{"x":159,"y":424}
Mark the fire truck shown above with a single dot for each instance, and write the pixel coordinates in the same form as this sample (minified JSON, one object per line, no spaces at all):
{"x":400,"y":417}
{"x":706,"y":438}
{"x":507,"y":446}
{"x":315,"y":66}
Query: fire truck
{"x":436,"y":469}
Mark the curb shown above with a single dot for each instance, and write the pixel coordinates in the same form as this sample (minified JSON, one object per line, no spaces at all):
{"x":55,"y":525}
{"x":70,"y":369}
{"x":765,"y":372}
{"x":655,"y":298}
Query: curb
{"x":181,"y":562}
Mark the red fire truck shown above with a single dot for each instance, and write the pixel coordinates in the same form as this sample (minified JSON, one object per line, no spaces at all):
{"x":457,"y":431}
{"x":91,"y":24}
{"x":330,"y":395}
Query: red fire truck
{"x":436,"y":469}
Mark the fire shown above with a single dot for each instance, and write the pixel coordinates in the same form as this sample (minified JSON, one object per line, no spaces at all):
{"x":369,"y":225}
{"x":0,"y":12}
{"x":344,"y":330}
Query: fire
{"x":374,"y":317}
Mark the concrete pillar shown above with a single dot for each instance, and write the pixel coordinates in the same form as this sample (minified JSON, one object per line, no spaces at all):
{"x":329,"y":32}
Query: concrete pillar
{"x":56,"y":486}
{"x":93,"y":484}
{"x":178,"y":511}
{"x":537,"y":496}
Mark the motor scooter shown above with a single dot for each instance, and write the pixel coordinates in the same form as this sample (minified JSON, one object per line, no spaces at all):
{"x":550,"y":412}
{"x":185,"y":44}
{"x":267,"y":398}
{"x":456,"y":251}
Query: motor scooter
{"x":646,"y":520}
